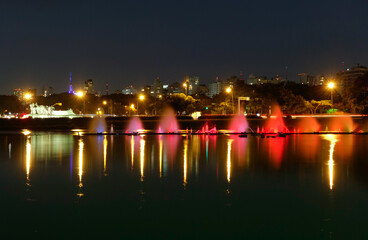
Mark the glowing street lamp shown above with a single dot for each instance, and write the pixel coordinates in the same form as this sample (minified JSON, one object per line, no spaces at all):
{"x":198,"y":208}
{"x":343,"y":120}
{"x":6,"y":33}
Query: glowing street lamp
{"x":80,"y":94}
{"x":230,"y":90}
{"x":141,"y":98}
{"x":27,"y":96}
{"x":185,"y":85}
{"x":331,"y":86}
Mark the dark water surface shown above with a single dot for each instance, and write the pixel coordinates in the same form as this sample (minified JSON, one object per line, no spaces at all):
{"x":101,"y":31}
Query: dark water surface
{"x":184,"y":187}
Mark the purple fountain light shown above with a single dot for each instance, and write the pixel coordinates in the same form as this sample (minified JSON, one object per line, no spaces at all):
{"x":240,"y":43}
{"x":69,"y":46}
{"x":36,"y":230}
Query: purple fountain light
{"x":134,"y":126}
{"x":238,"y":124}
{"x":98,"y":125}
{"x":168,"y":122}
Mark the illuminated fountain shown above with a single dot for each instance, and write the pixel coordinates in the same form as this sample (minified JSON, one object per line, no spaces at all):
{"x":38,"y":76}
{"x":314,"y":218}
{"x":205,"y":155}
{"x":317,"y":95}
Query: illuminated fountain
{"x":98,"y":125}
{"x":207,"y":128}
{"x":341,"y":124}
{"x":238,"y":124}
{"x":135,"y":126}
{"x":275,"y":124}
{"x":308,"y":125}
{"x":168,"y":122}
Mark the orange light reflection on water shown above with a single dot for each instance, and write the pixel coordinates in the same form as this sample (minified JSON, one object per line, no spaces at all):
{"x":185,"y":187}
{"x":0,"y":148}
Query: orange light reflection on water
{"x":105,"y":154}
{"x":142,"y":143}
{"x":185,"y":162}
{"x":228,"y":160}
{"x":333,"y":139}
{"x":28,"y":157}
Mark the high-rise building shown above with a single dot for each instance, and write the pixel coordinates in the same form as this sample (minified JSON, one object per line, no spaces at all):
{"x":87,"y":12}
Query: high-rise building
{"x":89,"y":86}
{"x":307,"y":79}
{"x":157,"y":87}
{"x":129,"y":90}
{"x":193,"y":84}
{"x":347,"y":77}
{"x":216,"y":87}
{"x":18,"y":92}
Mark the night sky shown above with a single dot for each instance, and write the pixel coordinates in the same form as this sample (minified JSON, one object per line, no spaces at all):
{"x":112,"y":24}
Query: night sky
{"x":133,"y":42}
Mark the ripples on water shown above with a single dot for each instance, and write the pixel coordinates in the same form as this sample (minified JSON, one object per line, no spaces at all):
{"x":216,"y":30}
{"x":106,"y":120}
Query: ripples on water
{"x":171,"y":186}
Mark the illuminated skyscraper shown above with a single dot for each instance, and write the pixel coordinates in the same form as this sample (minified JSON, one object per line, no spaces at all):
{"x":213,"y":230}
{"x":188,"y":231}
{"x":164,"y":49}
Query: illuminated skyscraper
{"x":89,"y":86}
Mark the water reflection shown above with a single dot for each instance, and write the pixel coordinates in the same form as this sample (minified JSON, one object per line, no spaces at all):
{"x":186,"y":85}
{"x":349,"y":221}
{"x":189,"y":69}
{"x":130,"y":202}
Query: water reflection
{"x":185,"y":162}
{"x":105,"y":154}
{"x":80,"y":166}
{"x":160,"y":154}
{"x":132,"y":152}
{"x":333,"y":139}
{"x":142,"y":146}
{"x":28,"y":157}
{"x":228,"y":160}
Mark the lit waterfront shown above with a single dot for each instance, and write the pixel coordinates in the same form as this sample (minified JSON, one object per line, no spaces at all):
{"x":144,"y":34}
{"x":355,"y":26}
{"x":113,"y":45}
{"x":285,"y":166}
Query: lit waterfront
{"x":302,"y":186}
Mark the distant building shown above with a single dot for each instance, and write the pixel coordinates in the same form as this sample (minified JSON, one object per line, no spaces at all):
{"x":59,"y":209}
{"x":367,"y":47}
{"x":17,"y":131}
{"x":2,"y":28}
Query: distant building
{"x":320,"y":80}
{"x":203,"y":89}
{"x":347,"y":77}
{"x":47,"y":91}
{"x":157,"y":87}
{"x":129,"y":90}
{"x":147,"y":90}
{"x":215,"y":88}
{"x":89,"y":87}
{"x":252,"y":80}
{"x":193,"y":84}
{"x":307,"y":79}
{"x":165,"y":89}
{"x":174,"y":88}
{"x":18,"y":92}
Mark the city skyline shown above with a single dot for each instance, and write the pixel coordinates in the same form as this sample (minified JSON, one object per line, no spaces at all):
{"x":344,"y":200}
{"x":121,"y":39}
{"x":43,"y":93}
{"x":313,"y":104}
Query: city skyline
{"x":127,"y":42}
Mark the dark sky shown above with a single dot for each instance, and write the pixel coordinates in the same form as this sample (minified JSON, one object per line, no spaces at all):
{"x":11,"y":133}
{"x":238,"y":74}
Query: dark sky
{"x":133,"y":42}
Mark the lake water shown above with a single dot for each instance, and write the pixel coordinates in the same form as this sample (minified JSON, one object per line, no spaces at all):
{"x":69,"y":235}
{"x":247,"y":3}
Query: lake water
{"x":184,"y":187}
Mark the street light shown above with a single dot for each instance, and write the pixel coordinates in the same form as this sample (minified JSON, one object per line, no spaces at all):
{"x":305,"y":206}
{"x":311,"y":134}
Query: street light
{"x":331,"y":86}
{"x":229,"y":90}
{"x":140,"y":97}
{"x":185,"y":85}
{"x":27,"y":96}
{"x":104,"y":102}
{"x":80,"y":94}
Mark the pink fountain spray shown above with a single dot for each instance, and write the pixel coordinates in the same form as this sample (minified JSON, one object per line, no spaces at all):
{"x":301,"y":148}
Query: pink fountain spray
{"x":238,"y":124}
{"x":134,"y":126}
{"x":275,"y":124}
{"x":168,"y":122}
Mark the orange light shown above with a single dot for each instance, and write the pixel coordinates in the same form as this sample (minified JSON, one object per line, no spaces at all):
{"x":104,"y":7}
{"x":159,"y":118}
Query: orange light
{"x":80,"y":94}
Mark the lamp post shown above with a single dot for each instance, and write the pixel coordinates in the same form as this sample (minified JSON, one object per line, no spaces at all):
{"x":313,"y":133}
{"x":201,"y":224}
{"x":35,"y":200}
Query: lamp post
{"x":141,"y":97}
{"x":104,"y":102}
{"x":229,"y":90}
{"x":80,"y":94}
{"x":331,"y":86}
{"x":185,"y":85}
